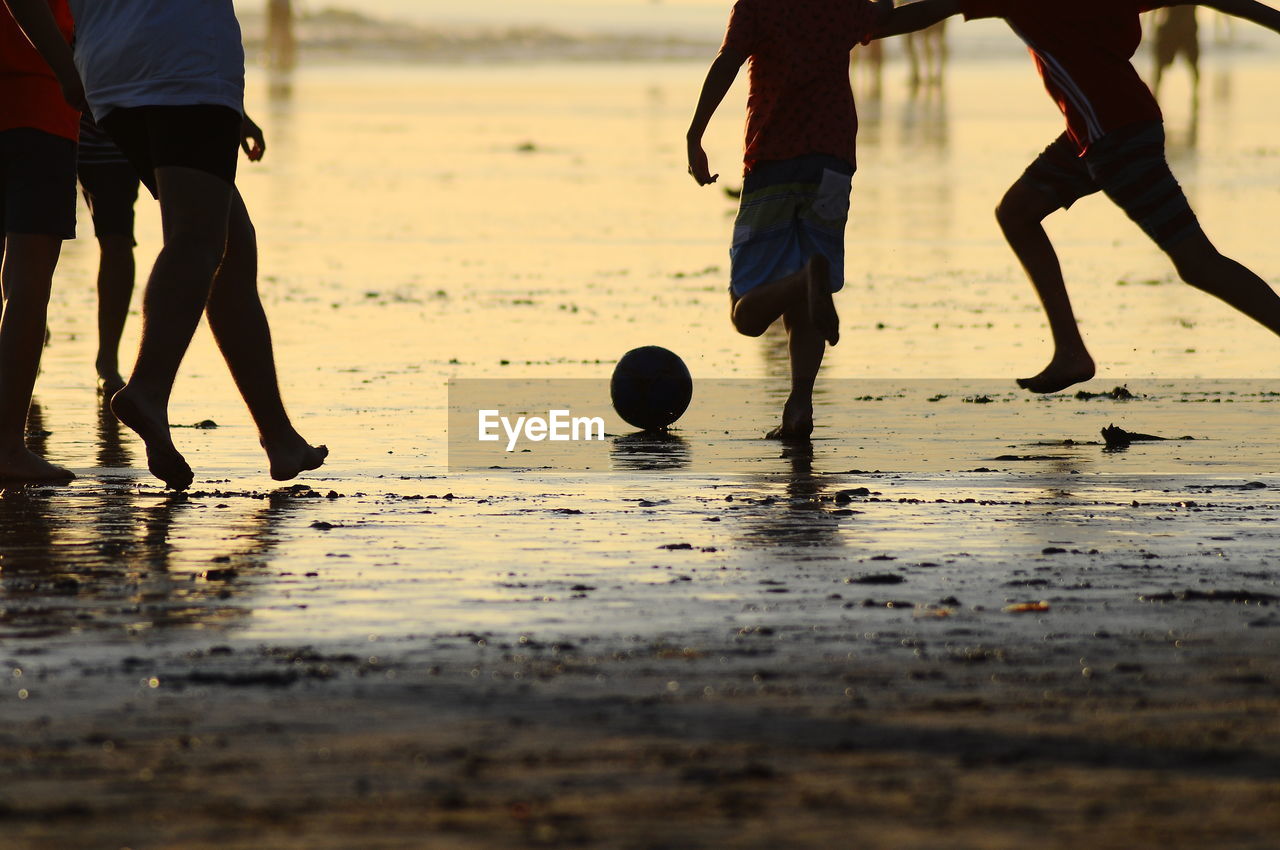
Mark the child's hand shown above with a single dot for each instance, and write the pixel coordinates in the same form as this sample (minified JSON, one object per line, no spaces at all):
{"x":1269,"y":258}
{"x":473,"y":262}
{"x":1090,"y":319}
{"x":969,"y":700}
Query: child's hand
{"x":251,"y":132}
{"x":73,"y":91}
{"x":698,"y":167}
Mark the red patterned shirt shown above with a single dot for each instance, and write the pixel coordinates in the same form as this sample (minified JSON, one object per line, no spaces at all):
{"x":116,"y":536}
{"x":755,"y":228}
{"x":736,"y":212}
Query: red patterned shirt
{"x":29,"y":92}
{"x":1082,"y":49}
{"x":800,"y":100}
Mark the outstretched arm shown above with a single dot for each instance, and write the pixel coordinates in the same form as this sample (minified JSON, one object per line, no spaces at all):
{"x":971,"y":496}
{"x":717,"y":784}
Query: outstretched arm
{"x":1250,"y":10}
{"x":916,"y":16}
{"x":724,"y":70}
{"x":37,"y":22}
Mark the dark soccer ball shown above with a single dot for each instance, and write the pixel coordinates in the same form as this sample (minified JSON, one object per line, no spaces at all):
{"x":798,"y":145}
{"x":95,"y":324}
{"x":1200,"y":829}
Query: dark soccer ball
{"x":651,"y":387}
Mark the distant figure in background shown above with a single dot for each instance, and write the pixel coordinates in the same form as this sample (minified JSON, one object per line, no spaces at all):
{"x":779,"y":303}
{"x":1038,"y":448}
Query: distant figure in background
{"x":37,"y":212}
{"x":927,"y":50}
{"x":1224,"y":28}
{"x":1177,"y":34}
{"x":110,"y":186}
{"x":165,"y":79}
{"x":282,"y":45}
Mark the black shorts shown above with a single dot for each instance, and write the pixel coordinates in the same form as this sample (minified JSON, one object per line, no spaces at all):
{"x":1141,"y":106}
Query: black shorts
{"x":1129,"y":166}
{"x":110,"y":190}
{"x":205,"y":138}
{"x":37,"y":183}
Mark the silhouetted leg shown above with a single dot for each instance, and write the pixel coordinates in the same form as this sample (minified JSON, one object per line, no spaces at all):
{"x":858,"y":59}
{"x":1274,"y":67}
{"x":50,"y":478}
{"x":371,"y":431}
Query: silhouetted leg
{"x":806,"y":347}
{"x":754,"y":312}
{"x":240,"y":326}
{"x":193,"y":211}
{"x":25,"y":282}
{"x":1020,"y":214}
{"x":115,"y":291}
{"x":1199,"y":264}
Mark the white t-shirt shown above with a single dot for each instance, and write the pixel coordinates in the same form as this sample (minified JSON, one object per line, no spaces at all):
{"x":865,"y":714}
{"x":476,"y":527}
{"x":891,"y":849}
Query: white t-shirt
{"x":158,"y":53}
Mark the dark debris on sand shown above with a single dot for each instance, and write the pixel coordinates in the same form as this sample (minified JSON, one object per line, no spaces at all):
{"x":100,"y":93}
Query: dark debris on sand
{"x":1117,"y":437}
{"x":1243,"y":597}
{"x":1117,"y":394}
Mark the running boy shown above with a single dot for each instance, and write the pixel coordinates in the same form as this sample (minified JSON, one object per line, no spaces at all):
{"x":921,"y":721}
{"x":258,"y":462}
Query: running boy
{"x":1114,"y":143}
{"x":37,"y":212}
{"x":165,"y":79}
{"x":787,"y":256}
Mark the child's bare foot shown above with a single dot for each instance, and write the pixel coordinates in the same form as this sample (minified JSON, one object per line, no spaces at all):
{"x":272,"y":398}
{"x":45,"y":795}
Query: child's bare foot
{"x":22,"y":464}
{"x":149,"y":421}
{"x":797,"y":423}
{"x":290,"y":457}
{"x":1062,"y":372}
{"x":822,"y":307}
{"x":110,"y":381}
{"x":110,"y":384}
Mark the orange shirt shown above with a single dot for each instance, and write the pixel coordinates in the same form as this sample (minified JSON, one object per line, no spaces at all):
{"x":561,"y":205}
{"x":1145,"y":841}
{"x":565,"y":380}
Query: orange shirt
{"x":29,"y":92}
{"x":800,"y":101}
{"x":1082,"y":50}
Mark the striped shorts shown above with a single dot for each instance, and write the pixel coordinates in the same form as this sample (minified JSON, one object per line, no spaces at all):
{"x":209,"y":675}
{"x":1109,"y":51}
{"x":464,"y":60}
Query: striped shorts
{"x":1129,"y":166}
{"x":791,"y":209}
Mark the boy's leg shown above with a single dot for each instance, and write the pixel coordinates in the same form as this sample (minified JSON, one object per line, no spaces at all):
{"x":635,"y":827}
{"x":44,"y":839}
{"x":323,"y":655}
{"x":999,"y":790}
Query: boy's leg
{"x":755,"y":311}
{"x":1021,"y":213}
{"x":805,"y":345}
{"x":1055,"y":180}
{"x":27,"y":278}
{"x":1199,"y":264}
{"x":240,"y":327}
{"x":111,"y":190}
{"x":194,"y":206}
{"x":116,"y":272}
{"x":1137,"y":178}
{"x":37,"y":212}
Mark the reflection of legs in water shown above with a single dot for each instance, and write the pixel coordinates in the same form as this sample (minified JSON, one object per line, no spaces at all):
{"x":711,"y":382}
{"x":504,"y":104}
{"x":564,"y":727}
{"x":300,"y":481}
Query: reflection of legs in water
{"x":26,"y":280}
{"x":1021,"y":213}
{"x":115,"y":290}
{"x":193,"y":210}
{"x":803,"y":301}
{"x":244,"y":337}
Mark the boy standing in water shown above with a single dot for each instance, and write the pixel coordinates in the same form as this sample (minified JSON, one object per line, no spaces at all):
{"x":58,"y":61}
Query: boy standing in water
{"x":1114,"y":143}
{"x":110,"y":188}
{"x":37,"y":212}
{"x":787,"y":256}
{"x":165,"y":79}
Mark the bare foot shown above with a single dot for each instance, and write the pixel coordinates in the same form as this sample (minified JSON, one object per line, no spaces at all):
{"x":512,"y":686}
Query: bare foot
{"x":22,"y":464}
{"x":1062,"y":372}
{"x":110,"y":381}
{"x":150,"y":422}
{"x":797,"y":423}
{"x":822,"y":308}
{"x":289,"y":458}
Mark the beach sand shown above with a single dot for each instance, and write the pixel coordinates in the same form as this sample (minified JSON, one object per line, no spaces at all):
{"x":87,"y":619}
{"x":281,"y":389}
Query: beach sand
{"x":959,"y":620}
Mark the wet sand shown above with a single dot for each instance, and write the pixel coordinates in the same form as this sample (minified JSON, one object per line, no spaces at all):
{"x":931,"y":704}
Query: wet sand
{"x":954,"y":622}
{"x":1044,"y":648}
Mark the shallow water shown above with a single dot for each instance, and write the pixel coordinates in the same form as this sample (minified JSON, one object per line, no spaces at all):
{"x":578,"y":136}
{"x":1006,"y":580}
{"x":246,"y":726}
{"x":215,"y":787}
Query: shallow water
{"x":422,"y":225}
